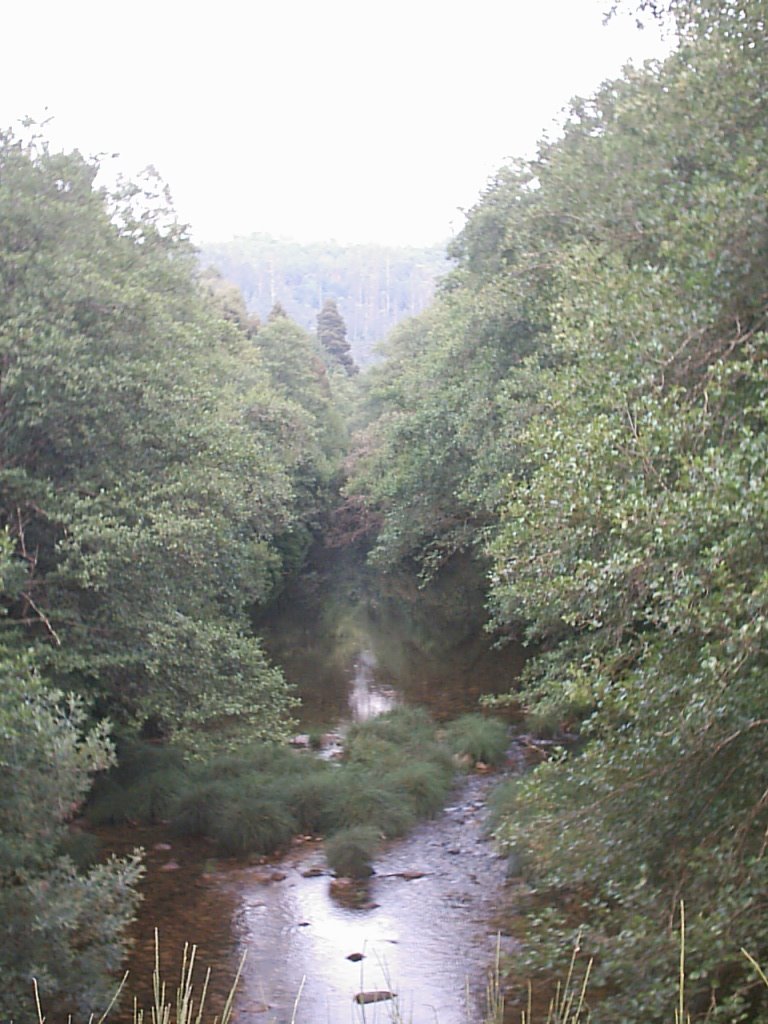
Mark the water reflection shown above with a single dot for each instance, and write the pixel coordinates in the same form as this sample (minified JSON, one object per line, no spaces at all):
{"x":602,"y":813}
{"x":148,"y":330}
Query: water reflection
{"x":425,"y":939}
{"x":368,"y":695}
{"x":352,"y":651}
{"x":353,"y":643}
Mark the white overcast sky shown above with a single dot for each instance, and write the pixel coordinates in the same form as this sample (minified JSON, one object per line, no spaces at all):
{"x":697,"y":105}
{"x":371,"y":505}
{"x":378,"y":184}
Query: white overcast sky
{"x":359,"y":120}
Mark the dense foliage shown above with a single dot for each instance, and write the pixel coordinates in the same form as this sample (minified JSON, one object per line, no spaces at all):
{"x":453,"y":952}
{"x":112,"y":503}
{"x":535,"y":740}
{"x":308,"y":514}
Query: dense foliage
{"x":160,"y":468}
{"x":56,"y":921}
{"x":164,"y":464}
{"x":586,"y":405}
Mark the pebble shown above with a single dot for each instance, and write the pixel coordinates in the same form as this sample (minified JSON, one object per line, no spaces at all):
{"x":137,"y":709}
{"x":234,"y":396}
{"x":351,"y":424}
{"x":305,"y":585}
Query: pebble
{"x":363,"y":998}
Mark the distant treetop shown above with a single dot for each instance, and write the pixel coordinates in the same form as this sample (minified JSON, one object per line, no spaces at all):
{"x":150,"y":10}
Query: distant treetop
{"x":332,"y":335}
{"x":277,"y":312}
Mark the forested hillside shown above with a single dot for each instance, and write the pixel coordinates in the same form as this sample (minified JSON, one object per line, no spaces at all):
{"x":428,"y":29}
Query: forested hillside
{"x":375,"y":286}
{"x":164,"y":465}
{"x":585,"y":407}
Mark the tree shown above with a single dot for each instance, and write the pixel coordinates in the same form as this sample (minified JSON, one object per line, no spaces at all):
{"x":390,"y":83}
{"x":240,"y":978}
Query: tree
{"x":607,"y":450}
{"x":144,"y":476}
{"x":59,"y":924}
{"x":332,"y":335}
{"x":277,"y":312}
{"x":229,"y":300}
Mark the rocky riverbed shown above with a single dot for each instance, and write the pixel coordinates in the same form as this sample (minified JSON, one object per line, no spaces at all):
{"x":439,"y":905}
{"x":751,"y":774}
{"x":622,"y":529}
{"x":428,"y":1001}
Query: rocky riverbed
{"x":425,"y":927}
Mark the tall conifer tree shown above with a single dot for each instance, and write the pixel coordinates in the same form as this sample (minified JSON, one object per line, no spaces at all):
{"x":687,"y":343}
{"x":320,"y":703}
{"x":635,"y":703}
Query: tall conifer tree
{"x":332,"y":334}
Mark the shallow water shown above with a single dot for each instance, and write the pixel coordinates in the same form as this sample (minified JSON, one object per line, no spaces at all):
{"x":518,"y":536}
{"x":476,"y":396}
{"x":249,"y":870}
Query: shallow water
{"x":431,"y":938}
{"x":426,"y":938}
{"x":349,"y":640}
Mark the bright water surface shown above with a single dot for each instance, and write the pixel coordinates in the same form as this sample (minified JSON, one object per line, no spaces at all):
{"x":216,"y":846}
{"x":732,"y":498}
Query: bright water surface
{"x":428,"y":938}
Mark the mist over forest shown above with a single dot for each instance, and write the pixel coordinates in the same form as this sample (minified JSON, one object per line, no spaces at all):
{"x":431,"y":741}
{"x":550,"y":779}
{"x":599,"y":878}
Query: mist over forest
{"x":374,"y":286}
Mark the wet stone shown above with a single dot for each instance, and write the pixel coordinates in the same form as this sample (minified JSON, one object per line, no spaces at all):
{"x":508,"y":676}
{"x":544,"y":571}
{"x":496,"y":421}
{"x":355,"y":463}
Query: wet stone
{"x":379,"y":996}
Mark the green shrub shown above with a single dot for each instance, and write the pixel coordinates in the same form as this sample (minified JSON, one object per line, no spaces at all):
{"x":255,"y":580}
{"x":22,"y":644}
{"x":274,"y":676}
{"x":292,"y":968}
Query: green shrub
{"x":224,"y":767}
{"x":149,"y":799}
{"x":478,"y":738}
{"x":545,"y":721}
{"x":138,"y":758}
{"x":502,"y":801}
{"x":350,"y":851}
{"x":252,"y":820}
{"x":366,"y":799}
{"x":423,"y":786}
{"x":82,"y":848}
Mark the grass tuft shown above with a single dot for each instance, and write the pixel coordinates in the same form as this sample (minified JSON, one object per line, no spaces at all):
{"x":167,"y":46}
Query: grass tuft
{"x":350,"y":851}
{"x":366,"y":798}
{"x":252,"y":821}
{"x":478,"y":738}
{"x":423,"y":786}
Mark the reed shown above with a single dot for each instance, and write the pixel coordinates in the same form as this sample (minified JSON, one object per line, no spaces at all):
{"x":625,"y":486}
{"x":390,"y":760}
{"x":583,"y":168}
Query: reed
{"x":183,"y":1005}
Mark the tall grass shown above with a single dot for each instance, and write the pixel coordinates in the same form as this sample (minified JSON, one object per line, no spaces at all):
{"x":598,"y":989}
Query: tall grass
{"x":350,"y":851}
{"x":478,"y":739}
{"x":253,"y":820}
{"x":182,"y":1007}
{"x":253,"y":801}
{"x":367,"y":798}
{"x":423,"y":786}
{"x":403,"y":726}
{"x":568,"y":1004}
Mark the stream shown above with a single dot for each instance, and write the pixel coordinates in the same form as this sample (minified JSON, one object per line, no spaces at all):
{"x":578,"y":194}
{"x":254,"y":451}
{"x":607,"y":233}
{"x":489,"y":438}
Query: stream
{"x":427,"y":926}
